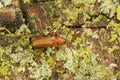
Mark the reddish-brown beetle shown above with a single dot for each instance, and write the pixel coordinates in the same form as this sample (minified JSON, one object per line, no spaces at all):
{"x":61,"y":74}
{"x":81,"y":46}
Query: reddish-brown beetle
{"x":48,"y":41}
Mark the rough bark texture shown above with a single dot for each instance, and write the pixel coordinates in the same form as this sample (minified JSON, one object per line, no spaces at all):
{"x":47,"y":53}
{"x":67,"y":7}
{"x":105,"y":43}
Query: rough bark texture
{"x":36,"y":16}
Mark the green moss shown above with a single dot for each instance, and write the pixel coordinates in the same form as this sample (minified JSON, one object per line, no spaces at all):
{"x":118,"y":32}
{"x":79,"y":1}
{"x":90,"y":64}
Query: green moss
{"x":1,"y":52}
{"x":97,"y":19}
{"x":113,"y":48}
{"x":118,"y":12}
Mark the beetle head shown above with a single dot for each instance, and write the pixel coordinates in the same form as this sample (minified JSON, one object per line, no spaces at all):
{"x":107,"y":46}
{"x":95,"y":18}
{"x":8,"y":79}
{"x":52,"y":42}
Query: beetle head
{"x":60,"y":40}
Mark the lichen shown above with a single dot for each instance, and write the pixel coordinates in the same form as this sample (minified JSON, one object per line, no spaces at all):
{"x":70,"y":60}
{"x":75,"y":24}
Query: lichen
{"x":79,"y":54}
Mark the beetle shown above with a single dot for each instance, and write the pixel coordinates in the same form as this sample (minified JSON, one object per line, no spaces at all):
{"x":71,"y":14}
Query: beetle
{"x":48,"y":41}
